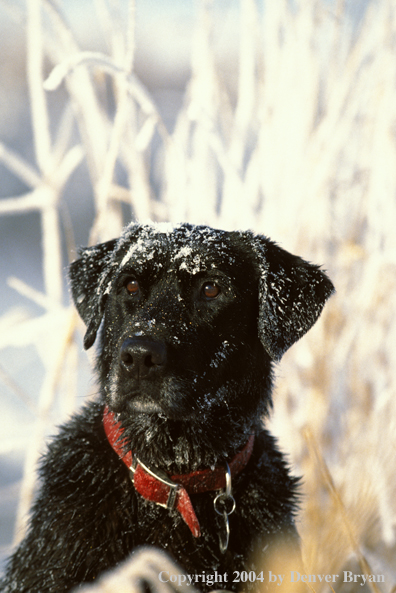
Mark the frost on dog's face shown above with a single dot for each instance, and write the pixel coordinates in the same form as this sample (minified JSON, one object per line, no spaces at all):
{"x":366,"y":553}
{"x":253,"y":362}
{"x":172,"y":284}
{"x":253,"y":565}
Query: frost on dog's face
{"x":189,"y":293}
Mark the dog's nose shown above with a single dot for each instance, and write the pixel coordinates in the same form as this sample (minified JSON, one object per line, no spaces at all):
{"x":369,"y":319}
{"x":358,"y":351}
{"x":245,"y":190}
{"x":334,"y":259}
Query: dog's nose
{"x":141,"y":356}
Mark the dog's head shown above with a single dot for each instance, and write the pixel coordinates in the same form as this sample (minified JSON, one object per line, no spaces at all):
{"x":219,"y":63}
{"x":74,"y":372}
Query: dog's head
{"x":192,"y":318}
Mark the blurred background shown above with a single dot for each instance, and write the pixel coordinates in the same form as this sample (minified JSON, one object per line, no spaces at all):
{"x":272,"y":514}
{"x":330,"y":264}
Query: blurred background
{"x":277,"y":115}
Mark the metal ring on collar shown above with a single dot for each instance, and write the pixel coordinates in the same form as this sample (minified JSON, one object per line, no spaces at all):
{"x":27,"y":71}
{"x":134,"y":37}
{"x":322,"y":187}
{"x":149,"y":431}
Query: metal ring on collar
{"x":225,"y":496}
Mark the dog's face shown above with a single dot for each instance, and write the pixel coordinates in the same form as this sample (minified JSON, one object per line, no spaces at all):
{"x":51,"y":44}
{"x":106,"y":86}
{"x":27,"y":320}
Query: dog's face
{"x":192,"y":318}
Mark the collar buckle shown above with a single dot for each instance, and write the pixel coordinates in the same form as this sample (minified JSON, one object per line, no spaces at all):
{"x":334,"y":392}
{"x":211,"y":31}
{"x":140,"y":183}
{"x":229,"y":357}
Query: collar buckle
{"x":162,"y":477}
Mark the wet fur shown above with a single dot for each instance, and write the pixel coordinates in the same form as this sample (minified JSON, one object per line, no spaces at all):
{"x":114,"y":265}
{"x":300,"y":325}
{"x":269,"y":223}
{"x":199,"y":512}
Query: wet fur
{"x":214,"y":390}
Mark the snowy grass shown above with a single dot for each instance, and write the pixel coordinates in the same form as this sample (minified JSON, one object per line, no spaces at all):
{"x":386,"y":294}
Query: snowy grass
{"x":302,"y":149}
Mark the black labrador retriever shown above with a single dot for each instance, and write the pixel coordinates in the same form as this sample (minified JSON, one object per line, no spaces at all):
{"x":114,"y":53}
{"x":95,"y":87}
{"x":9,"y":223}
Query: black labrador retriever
{"x":173,"y":453}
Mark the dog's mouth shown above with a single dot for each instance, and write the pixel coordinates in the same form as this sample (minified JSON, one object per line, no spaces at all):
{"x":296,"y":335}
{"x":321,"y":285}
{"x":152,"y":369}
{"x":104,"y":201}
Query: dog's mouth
{"x":135,"y":403}
{"x":145,"y":407}
{"x":170,"y":399}
{"x":136,"y":406}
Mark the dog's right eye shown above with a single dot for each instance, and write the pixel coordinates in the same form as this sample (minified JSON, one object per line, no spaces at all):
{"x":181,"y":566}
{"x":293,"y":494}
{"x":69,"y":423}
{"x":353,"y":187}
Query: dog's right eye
{"x":132,"y":287}
{"x":210,"y":290}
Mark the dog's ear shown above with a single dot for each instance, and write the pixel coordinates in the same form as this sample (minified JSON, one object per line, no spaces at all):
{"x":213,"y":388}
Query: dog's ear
{"x":292,"y":293}
{"x":88,"y":281}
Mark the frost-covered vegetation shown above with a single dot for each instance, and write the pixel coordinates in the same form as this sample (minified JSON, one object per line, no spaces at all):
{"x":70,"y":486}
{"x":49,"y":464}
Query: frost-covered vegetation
{"x":299,"y":144}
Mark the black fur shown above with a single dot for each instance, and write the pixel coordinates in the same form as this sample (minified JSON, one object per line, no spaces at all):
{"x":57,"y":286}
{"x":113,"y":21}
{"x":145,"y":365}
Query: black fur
{"x":192,"y":404}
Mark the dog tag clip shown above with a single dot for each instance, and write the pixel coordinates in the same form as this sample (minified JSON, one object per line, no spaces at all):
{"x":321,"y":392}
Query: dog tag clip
{"x":222,"y":499}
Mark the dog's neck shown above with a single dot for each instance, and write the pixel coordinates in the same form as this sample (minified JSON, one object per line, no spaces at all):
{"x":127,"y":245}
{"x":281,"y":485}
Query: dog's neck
{"x":178,"y":447}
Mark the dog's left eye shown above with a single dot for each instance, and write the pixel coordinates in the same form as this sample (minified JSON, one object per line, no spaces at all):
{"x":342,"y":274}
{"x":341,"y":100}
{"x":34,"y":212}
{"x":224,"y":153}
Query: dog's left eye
{"x":132,"y":287}
{"x":210,"y":290}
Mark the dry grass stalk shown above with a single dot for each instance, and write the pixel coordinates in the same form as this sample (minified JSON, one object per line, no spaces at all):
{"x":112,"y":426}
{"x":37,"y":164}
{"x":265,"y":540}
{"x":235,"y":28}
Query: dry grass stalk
{"x":340,"y":507}
{"x":44,"y":407}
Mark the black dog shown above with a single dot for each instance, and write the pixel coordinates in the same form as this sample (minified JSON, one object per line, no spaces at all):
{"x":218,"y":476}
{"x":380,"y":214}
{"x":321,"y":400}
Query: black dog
{"x":190,"y":320}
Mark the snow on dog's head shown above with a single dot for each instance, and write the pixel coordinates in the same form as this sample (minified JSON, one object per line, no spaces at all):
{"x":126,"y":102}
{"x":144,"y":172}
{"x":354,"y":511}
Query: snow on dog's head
{"x":291,"y":292}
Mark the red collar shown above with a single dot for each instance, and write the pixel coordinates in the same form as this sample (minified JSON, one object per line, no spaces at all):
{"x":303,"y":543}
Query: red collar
{"x":173,"y":492}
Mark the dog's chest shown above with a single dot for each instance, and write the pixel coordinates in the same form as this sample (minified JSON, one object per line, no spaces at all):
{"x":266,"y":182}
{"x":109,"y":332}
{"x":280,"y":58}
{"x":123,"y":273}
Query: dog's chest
{"x":197,"y":556}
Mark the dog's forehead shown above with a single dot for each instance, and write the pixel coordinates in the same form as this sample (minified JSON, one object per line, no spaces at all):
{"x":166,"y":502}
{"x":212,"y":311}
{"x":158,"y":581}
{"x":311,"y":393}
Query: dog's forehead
{"x":188,"y":248}
{"x":198,"y":249}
